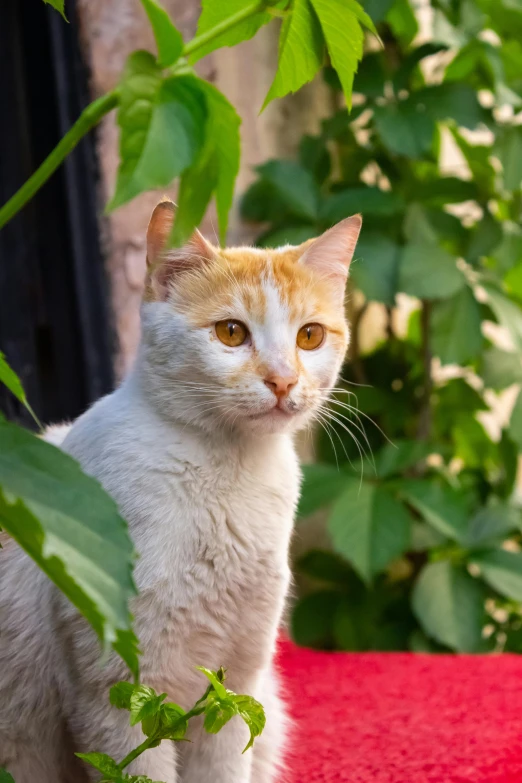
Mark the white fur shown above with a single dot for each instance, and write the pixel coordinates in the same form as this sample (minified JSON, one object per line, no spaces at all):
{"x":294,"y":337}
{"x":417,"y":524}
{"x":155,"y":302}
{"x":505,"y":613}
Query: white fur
{"x":209,"y":493}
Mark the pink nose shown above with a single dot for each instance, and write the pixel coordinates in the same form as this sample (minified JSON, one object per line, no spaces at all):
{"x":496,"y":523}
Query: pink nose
{"x":280,"y":385}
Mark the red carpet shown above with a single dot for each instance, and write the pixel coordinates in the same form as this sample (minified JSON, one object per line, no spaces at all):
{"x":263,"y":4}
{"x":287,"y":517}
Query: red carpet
{"x":400,"y":718}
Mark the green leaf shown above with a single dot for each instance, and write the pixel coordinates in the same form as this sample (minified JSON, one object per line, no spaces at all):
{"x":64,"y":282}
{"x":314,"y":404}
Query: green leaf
{"x":58,"y":5}
{"x":168,"y":38}
{"x":253,"y":714}
{"x":449,"y":604}
{"x":450,"y":101}
{"x":371,"y":76}
{"x":500,"y":368}
{"x":321,"y":485}
{"x":301,"y":51}
{"x":513,"y":281}
{"x":456,"y":336}
{"x":490,"y":524}
{"x":515,"y":425}
{"x":369,"y":528}
{"x":485,"y":238}
{"x":445,"y":190}
{"x":313,"y":617}
{"x":377,"y":9}
{"x":477,"y":157}
{"x":5,"y":777}
{"x":324,"y":566}
{"x":472,"y":443}
{"x":215,"y":171}
{"x":341,"y":23}
{"x":429,"y":272}
{"x":315,"y":156}
{"x":294,"y":184}
{"x":162,"y":129}
{"x":173,"y":723}
{"x":66,"y":522}
{"x":507,"y":312}
{"x":219,"y":709}
{"x":375,"y":269}
{"x":369,"y":201}
{"x":144,"y":703}
{"x":216,"y":11}
{"x":217,"y":714}
{"x":403,"y":77}
{"x":215,"y":682}
{"x":443,"y":507}
{"x":405,"y":129}
{"x":402,"y":21}
{"x":120,"y":695}
{"x":508,"y":147}
{"x":135,"y":779}
{"x":502,"y":570}
{"x":101,"y":762}
{"x":394,"y":458}
{"x":424,"y":537}
{"x":509,"y":252}
{"x":10,"y":379}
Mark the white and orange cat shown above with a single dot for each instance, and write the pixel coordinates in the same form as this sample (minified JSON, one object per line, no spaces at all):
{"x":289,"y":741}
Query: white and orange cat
{"x":239,"y":349}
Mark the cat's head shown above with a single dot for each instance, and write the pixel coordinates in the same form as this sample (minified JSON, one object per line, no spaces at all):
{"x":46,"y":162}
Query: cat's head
{"x":243,"y":338}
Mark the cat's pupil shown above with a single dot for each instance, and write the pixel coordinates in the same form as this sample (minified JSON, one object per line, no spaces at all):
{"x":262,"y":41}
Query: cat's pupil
{"x":309,"y":331}
{"x":231,"y":329}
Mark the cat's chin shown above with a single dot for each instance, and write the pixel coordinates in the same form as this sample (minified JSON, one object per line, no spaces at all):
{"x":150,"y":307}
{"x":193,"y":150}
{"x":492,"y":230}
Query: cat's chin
{"x":271,"y":422}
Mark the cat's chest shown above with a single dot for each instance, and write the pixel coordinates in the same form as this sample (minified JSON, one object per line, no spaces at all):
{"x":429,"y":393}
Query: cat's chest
{"x":221,"y":571}
{"x":215,"y":532}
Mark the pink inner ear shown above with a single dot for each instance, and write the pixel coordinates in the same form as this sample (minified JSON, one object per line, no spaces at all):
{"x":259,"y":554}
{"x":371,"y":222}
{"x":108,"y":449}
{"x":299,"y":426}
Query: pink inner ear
{"x":331,"y":253}
{"x":196,"y":253}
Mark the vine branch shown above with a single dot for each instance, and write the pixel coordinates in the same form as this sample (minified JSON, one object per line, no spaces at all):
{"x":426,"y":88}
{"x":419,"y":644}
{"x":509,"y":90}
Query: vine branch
{"x":89,"y":117}
{"x":96,"y":110}
{"x":224,"y":26}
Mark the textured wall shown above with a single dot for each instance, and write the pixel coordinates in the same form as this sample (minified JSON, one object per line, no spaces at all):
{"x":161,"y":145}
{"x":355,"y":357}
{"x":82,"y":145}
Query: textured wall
{"x":110,"y":30}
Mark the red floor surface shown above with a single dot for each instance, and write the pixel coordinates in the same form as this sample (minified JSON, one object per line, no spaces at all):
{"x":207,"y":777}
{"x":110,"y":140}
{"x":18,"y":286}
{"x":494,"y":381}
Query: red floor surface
{"x":400,"y":718}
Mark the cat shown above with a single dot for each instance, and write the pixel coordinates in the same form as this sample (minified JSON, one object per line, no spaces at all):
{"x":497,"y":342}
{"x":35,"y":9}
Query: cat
{"x":239,"y":349}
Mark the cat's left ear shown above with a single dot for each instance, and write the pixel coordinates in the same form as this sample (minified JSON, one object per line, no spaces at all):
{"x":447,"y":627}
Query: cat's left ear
{"x":331,"y":253}
{"x":164,"y":263}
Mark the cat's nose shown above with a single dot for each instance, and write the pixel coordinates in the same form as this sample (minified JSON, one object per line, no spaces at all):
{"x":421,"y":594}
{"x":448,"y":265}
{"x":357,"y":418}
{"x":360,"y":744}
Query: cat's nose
{"x":280,"y":384}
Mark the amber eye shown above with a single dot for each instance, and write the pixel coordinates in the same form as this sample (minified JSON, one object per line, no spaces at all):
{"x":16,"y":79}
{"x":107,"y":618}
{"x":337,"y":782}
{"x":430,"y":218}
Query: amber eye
{"x":232,"y":333}
{"x":310,"y":336}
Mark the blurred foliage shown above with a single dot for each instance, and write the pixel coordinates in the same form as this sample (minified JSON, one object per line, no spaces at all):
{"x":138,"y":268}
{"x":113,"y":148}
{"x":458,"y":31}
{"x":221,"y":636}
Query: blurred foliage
{"x":425,"y":534}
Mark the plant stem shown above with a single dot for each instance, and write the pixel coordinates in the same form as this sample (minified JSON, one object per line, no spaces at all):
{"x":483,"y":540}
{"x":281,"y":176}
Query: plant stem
{"x":224,"y":26}
{"x":92,"y":115}
{"x":424,"y":427}
{"x":129,"y":758}
{"x":89,"y":117}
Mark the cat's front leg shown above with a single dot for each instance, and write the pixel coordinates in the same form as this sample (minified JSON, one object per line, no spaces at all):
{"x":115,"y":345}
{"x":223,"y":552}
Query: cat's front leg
{"x":218,"y":758}
{"x":269,"y":748}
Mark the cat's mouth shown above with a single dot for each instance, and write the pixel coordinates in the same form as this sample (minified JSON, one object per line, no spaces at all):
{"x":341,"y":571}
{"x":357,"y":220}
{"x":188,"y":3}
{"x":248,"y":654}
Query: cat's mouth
{"x":274,"y":411}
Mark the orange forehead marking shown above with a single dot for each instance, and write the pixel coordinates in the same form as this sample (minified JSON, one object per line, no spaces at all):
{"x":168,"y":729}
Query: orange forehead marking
{"x":209,"y":291}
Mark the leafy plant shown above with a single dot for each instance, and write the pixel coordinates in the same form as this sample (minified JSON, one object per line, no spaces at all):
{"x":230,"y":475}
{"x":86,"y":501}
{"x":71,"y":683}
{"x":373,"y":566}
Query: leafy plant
{"x":161,"y":720}
{"x":174,"y":124}
{"x":425,"y":540}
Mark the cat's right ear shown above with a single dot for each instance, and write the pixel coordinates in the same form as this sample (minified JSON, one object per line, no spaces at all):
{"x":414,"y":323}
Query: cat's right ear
{"x":164,"y":262}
